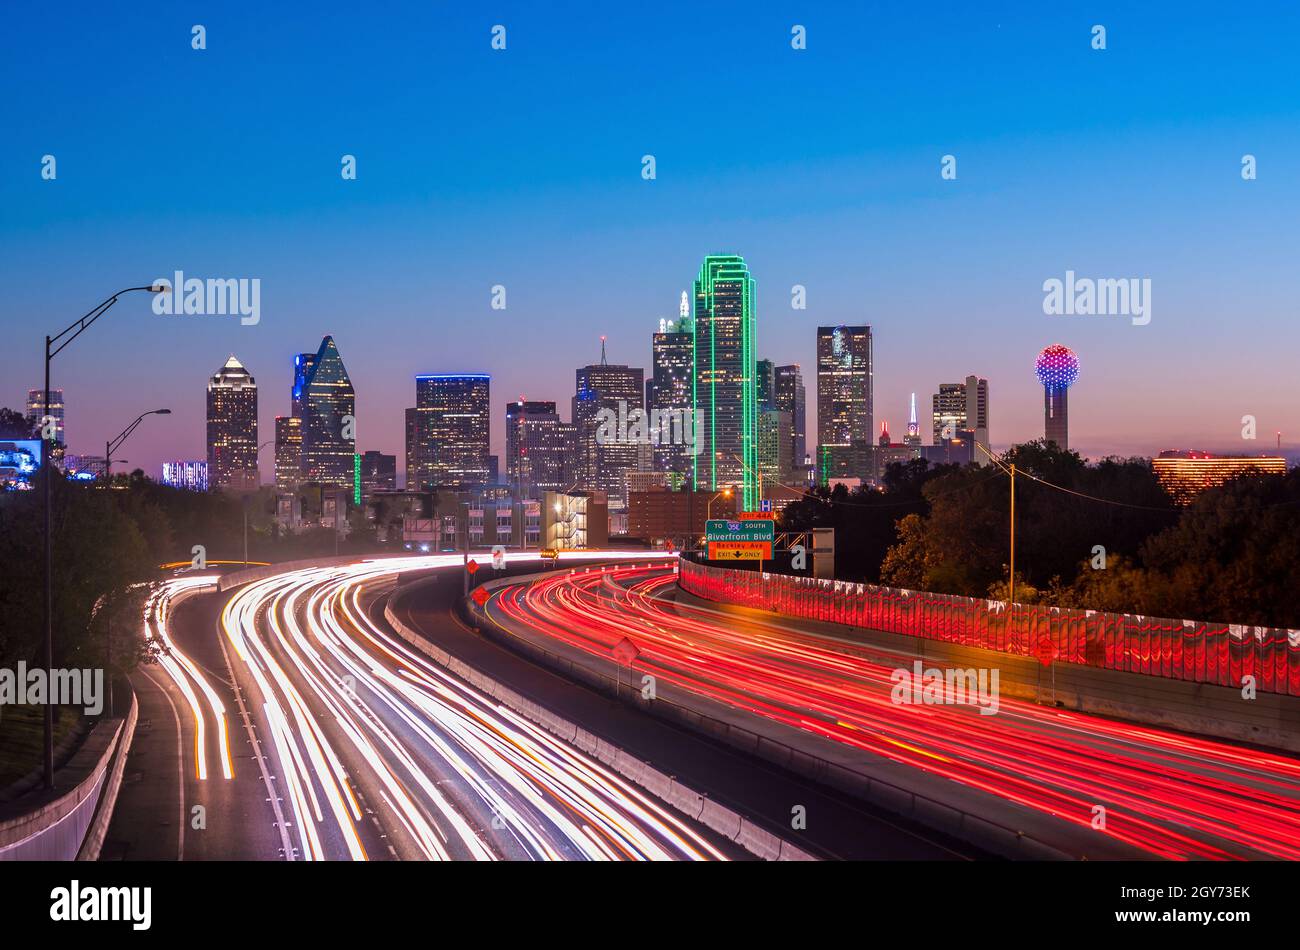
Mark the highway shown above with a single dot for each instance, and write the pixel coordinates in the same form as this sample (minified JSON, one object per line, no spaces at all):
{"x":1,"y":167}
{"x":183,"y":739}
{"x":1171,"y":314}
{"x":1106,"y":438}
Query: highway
{"x":192,"y":789}
{"x":837,"y":825}
{"x":1167,"y":794}
{"x":373,"y":752}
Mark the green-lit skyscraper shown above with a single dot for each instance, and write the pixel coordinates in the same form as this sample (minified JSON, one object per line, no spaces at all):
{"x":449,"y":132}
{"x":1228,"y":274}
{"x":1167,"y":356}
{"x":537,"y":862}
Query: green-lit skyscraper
{"x":725,"y":397}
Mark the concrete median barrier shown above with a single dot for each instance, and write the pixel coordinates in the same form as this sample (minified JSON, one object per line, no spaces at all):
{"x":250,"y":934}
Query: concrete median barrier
{"x":1002,"y":828}
{"x":666,"y":788}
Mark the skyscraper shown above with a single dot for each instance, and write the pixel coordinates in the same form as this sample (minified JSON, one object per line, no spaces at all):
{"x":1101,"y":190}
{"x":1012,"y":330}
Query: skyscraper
{"x":1057,"y":369}
{"x":288,"y":453}
{"x":948,"y":411}
{"x":726,"y":398}
{"x":775,"y":448}
{"x":302,"y":364}
{"x":668,"y":391}
{"x":959,"y":406}
{"x":791,"y":397}
{"x":232,"y":428}
{"x":977,"y":411}
{"x":329,"y":421}
{"x":913,"y":436}
{"x":618,"y":389}
{"x":765,"y":384}
{"x":412,"y":417}
{"x":539,"y":448}
{"x":845,"y":408}
{"x":36,"y":413}
{"x":452,"y":430}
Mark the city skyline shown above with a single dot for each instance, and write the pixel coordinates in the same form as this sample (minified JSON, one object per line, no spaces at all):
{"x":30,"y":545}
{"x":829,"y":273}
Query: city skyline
{"x":1264,"y":444}
{"x":795,"y":433}
{"x":836,"y":187}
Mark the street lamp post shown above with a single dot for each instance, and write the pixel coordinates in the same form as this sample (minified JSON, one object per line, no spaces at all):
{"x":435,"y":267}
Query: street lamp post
{"x":244,"y":503}
{"x":111,"y":446}
{"x":708,"y":514}
{"x":54,"y":345}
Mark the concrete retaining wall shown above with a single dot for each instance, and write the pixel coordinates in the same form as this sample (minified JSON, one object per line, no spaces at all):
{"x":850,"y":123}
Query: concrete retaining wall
{"x":70,"y":823}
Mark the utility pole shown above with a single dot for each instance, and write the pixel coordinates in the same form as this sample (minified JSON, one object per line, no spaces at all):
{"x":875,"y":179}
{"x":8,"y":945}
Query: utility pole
{"x":1011,"y":579}
{"x":1011,"y":584}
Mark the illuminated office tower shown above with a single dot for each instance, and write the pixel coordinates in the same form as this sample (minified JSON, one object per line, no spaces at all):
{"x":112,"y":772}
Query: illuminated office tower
{"x":586,"y":463}
{"x":791,"y":397}
{"x":329,"y":421}
{"x":1057,"y":369}
{"x":765,"y":384}
{"x":948,"y":411}
{"x":411,"y":417}
{"x":961,"y":406}
{"x":844,"y":385}
{"x":775,"y":449}
{"x":604,"y":461}
{"x":539,"y":449}
{"x":36,"y":411}
{"x":452,"y":430}
{"x":232,"y":428}
{"x":36,"y":414}
{"x":288,"y":453}
{"x":725,"y":398}
{"x":302,"y":364}
{"x":668,"y":396}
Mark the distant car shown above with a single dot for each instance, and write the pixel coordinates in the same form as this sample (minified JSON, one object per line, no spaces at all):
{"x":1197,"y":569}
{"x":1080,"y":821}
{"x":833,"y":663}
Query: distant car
{"x":549,"y":554}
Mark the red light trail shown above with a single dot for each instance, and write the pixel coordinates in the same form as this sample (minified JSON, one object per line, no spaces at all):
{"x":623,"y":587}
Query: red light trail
{"x":1172,"y":795}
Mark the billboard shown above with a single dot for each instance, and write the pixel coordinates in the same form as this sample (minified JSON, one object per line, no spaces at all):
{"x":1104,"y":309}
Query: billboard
{"x":19,"y":461}
{"x":192,"y":475}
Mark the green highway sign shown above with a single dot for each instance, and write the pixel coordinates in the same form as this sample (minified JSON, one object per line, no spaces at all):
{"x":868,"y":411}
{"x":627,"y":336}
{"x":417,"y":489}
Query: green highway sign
{"x":719,"y":529}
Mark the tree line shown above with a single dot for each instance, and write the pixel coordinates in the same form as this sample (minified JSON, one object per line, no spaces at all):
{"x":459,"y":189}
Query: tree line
{"x":1104,"y":536}
{"x":105,"y":543}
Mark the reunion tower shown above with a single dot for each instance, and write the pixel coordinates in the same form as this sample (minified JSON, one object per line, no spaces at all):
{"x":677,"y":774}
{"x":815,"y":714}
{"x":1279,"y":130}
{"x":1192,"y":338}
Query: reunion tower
{"x":1057,"y":368}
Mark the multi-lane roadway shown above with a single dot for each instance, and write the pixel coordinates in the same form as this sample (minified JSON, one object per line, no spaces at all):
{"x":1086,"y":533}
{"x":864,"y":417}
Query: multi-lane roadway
{"x":1161,"y":793}
{"x":347,"y":744}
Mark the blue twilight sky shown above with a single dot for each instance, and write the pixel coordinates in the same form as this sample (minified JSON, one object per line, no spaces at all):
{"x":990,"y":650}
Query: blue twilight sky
{"x":523,"y":168}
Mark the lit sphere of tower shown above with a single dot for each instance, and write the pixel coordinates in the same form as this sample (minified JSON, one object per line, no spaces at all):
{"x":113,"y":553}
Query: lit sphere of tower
{"x":1057,"y":367}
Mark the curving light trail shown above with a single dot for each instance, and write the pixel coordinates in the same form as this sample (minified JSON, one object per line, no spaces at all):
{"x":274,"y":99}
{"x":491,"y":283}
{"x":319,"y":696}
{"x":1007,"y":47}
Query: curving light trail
{"x":1172,"y":795}
{"x":357,"y":716}
{"x":185,"y":673}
